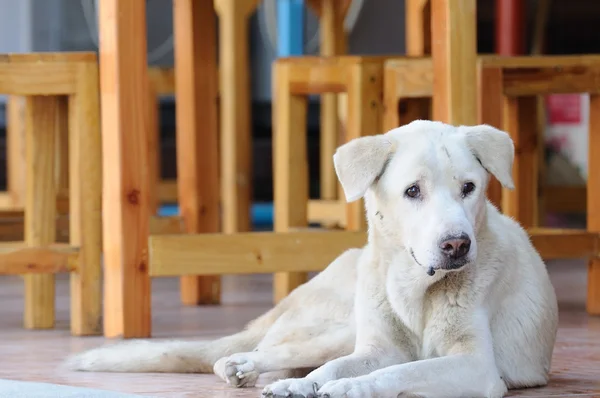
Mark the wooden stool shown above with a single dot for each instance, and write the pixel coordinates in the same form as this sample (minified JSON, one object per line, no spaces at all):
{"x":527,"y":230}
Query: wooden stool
{"x":61,"y":91}
{"x":508,"y":86}
{"x":294,"y":79}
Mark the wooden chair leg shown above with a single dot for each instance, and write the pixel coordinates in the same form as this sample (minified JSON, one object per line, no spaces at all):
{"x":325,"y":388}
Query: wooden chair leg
{"x":593,"y":210}
{"x":197,"y":135}
{"x":15,"y":153}
{"x":364,"y":118}
{"x":125,"y":214}
{"x":235,"y":118}
{"x":290,"y":169}
{"x":40,"y":203}
{"x":490,"y":111}
{"x":520,"y":123}
{"x":85,"y":196}
{"x":62,"y":150}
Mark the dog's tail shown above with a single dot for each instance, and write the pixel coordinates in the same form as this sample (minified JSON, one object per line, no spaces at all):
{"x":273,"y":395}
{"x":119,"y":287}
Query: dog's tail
{"x":144,"y":356}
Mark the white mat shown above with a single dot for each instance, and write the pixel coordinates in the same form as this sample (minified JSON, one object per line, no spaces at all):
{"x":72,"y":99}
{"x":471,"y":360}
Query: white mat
{"x":21,"y":389}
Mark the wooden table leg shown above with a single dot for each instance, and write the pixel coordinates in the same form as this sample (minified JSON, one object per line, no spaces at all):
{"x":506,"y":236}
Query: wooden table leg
{"x":85,"y":193}
{"x":290,"y":169}
{"x":593,"y":195}
{"x":125,"y":128}
{"x":15,"y":150}
{"x":40,"y":204}
{"x":197,"y":134}
{"x":235,"y":119}
{"x":454,"y":52}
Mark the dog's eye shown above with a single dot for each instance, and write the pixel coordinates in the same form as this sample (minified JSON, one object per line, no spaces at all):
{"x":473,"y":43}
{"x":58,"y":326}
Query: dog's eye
{"x":413,"y":191}
{"x":467,"y":188}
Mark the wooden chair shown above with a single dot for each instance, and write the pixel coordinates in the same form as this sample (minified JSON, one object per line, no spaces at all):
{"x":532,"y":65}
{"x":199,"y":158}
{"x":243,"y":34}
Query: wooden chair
{"x":508,"y":88}
{"x":60,"y":93}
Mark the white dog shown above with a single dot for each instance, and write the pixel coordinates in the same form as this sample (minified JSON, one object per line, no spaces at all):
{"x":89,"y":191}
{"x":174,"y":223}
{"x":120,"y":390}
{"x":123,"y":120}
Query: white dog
{"x":448,"y":298}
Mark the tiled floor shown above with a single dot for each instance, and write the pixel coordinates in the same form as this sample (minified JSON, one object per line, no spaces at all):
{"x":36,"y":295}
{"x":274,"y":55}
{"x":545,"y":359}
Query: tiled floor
{"x":34,"y":355}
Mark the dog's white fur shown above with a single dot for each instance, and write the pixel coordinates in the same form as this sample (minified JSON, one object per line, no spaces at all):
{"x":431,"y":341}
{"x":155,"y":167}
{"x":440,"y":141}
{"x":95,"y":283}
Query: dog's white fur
{"x":375,"y":323}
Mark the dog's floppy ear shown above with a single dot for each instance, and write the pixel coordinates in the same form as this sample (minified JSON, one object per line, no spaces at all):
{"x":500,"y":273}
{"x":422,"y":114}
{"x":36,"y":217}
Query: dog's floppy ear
{"x":494,"y":149}
{"x":360,"y":162}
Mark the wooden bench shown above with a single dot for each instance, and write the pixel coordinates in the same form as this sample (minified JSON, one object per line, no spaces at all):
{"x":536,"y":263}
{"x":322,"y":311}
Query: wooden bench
{"x":60,"y":93}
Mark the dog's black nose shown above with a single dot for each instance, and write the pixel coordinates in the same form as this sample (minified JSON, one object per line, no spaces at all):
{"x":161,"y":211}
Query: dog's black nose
{"x":456,"y":247}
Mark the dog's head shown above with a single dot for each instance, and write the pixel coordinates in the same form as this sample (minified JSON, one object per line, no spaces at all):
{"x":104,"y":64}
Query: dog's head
{"x":425,"y":186}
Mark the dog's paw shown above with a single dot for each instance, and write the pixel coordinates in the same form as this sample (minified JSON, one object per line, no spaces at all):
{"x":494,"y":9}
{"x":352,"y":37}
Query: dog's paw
{"x":358,"y":387}
{"x":291,"y":388}
{"x":237,"y":370}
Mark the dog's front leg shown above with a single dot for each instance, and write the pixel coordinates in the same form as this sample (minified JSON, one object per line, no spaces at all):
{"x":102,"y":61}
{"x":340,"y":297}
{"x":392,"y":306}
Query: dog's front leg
{"x":467,"y":369}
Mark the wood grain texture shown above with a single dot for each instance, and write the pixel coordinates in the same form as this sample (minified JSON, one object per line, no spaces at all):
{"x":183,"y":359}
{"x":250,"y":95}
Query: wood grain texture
{"x":593,"y":210}
{"x":235,"y":119}
{"x":454,"y":52}
{"x":41,"y":120}
{"x":125,"y":128}
{"x":197,"y":134}
{"x":85,"y":192}
{"x":290,"y":168}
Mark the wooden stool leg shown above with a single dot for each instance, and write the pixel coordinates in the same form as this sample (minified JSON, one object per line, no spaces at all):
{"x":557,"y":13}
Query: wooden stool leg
{"x":197,"y":135}
{"x":85,"y":196}
{"x":62,"y":152}
{"x":490,"y":111}
{"x":454,"y":57}
{"x":236,"y":123}
{"x":520,"y":123}
{"x":593,"y":210}
{"x":125,"y":196}
{"x":333,"y":42}
{"x":154,"y":150}
{"x":40,"y":204}
{"x":364,"y":118}
{"x":290,"y":169}
{"x":15,"y":150}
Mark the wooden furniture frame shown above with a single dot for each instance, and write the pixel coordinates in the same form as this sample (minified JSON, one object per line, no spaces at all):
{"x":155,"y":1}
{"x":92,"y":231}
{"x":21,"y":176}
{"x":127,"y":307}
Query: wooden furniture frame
{"x":410,"y":80}
{"x":293,"y":80}
{"x":508,"y":87}
{"x":60,"y":91}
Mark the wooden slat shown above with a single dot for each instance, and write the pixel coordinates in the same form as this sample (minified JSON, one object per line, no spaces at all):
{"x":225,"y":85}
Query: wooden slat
{"x":235,"y":116}
{"x":166,"y":225}
{"x":41,"y":118}
{"x":454,"y":53}
{"x":266,"y":252}
{"x":13,"y":228}
{"x":25,"y":261}
{"x":290,"y":180}
{"x":37,"y":78}
{"x":6,"y":201}
{"x":327,"y":211}
{"x":247,"y":253}
{"x":162,"y":80}
{"x":552,"y":80}
{"x":125,"y":128}
{"x":197,"y":133}
{"x":593,"y":210}
{"x":564,"y":243}
{"x":85,"y":191}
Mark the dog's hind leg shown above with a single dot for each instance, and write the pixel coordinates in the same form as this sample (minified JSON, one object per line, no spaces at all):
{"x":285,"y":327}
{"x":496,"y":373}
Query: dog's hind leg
{"x":304,"y":349}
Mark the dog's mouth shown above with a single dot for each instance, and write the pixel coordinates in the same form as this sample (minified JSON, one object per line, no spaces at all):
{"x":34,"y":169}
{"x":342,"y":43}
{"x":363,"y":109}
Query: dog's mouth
{"x":445,"y":266}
